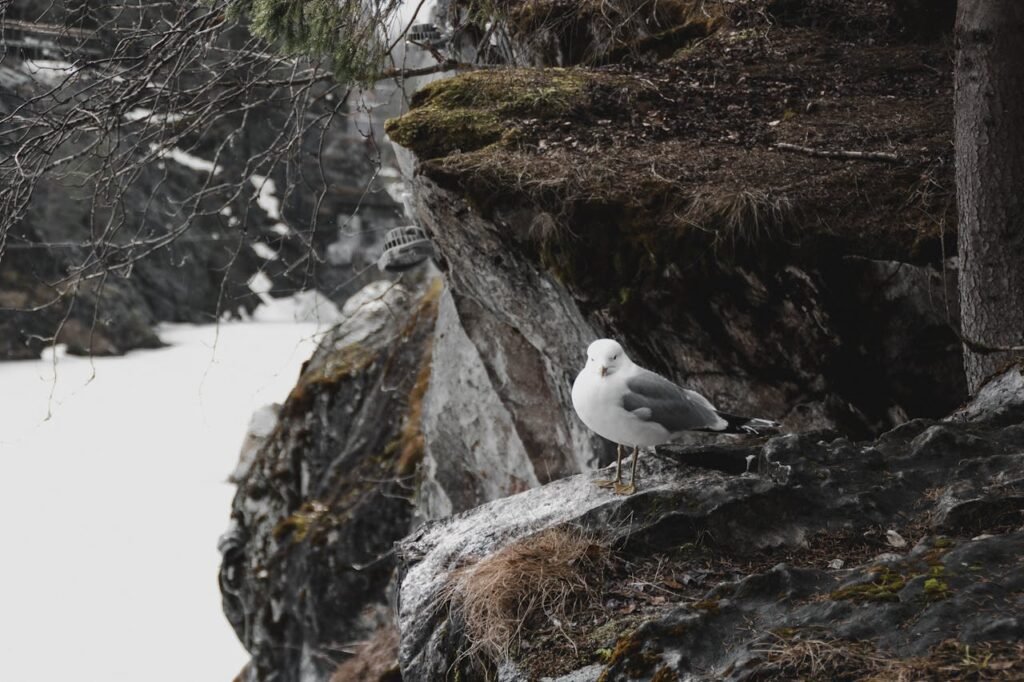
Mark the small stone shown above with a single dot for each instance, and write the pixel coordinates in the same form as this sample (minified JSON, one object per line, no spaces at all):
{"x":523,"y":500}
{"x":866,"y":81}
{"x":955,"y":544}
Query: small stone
{"x":886,"y":557}
{"x":895,"y":539}
{"x":836,"y":564}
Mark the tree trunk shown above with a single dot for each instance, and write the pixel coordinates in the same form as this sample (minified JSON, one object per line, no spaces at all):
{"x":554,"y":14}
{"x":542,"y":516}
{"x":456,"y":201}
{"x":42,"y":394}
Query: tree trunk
{"x":989,"y":112}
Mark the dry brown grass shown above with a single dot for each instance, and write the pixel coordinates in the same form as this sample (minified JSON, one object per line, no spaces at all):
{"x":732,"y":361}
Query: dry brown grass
{"x":601,"y":31}
{"x":745,"y":216}
{"x":532,"y":585}
{"x":830,"y":659}
{"x":824,"y":659}
{"x":376,"y":660}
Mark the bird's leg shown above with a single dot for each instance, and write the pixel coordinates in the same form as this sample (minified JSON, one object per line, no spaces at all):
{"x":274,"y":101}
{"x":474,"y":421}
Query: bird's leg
{"x":630,"y":488}
{"x":617,"y":481}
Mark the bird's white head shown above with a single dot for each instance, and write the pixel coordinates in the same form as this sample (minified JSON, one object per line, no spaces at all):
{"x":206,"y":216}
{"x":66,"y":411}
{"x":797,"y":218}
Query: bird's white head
{"x":606,"y":357}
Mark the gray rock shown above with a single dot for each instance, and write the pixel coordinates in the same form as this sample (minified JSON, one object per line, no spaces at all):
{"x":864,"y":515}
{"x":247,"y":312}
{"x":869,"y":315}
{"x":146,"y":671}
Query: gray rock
{"x":821,"y":565}
{"x":430,"y":554}
{"x":473,"y":449}
{"x":528,"y":332}
{"x":1001,"y":397}
{"x":591,"y":673}
{"x":261,"y":425}
{"x":308,"y":558}
{"x":853,"y":344}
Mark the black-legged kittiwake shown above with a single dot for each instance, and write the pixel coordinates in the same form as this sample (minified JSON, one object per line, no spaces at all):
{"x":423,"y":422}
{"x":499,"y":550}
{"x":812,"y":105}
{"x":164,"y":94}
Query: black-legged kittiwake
{"x":630,"y":405}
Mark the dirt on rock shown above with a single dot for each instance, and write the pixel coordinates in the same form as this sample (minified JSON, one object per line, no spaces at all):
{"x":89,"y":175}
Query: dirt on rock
{"x":819,"y":124}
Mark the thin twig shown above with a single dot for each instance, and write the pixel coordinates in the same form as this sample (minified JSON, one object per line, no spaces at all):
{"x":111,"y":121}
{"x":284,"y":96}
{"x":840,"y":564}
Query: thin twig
{"x":447,"y":65}
{"x":839,"y":153}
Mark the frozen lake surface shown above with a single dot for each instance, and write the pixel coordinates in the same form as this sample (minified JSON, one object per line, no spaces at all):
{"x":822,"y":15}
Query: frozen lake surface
{"x":110,"y":509}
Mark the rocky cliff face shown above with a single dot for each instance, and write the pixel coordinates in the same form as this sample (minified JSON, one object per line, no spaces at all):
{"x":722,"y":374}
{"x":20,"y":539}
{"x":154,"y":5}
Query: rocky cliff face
{"x":760,"y":209}
{"x":893,"y":557}
{"x":710,"y":211}
{"x":308,"y":554}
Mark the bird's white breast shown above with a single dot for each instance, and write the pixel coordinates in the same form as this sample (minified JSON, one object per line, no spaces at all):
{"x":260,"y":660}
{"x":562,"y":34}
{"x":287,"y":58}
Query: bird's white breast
{"x":598,"y":402}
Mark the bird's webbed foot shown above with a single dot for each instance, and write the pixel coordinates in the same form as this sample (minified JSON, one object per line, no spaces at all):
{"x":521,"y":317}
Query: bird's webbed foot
{"x":624,"y":488}
{"x":613,"y":482}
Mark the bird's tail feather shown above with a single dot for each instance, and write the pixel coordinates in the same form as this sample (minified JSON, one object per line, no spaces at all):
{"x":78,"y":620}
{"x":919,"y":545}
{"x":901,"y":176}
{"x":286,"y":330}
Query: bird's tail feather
{"x":751,"y":425}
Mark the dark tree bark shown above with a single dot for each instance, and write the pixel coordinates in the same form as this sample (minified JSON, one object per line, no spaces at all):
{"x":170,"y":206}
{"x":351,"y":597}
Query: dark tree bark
{"x":989,"y":111}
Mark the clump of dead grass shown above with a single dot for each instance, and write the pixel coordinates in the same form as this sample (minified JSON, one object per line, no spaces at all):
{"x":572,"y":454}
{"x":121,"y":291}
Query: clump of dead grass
{"x":745,"y":216}
{"x":374,"y":660}
{"x":533,"y":585}
{"x":830,"y":659}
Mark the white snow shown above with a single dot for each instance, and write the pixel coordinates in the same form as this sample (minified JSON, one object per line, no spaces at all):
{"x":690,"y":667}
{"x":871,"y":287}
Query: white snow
{"x":261,"y":425}
{"x":264,"y":251}
{"x":261,"y":285}
{"x":305,"y":306}
{"x":49,"y":71}
{"x":192,"y":161}
{"x":368,"y":310}
{"x":263,"y":422}
{"x":266,"y":197}
{"x":112,"y":507}
{"x":374,"y":297}
{"x":142,"y":114}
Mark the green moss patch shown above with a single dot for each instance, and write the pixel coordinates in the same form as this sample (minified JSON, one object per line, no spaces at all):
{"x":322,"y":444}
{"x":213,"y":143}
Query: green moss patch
{"x":886,"y":586}
{"x":310,"y":518}
{"x":478,"y":109}
{"x":630,"y":656}
{"x":888,"y":581}
{"x":341,"y":364}
{"x":434,"y":131}
{"x":936,"y":588}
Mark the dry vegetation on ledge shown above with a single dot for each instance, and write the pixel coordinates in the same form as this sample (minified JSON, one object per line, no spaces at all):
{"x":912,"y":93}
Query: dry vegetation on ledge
{"x":532,"y":585}
{"x":783,"y":129}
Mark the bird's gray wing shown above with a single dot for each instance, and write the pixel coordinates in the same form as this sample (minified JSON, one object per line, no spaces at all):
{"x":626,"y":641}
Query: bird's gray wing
{"x":654,"y":398}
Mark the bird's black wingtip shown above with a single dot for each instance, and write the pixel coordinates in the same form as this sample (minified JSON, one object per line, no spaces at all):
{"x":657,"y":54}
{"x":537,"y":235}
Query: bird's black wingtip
{"x":749,"y":425}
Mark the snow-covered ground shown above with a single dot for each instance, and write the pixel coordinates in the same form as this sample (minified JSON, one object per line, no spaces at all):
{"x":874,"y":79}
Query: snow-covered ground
{"x":110,"y":509}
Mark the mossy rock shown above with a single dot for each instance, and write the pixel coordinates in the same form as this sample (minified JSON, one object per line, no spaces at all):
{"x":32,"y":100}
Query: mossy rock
{"x":885,"y":587}
{"x":478,"y":109}
{"x":339,"y":365}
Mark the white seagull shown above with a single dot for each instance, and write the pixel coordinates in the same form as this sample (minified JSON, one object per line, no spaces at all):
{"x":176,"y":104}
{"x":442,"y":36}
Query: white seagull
{"x":629,"y":405}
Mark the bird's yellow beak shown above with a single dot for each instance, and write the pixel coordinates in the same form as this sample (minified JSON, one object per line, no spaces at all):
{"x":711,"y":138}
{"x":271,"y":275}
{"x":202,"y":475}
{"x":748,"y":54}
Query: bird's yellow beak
{"x":604,"y":370}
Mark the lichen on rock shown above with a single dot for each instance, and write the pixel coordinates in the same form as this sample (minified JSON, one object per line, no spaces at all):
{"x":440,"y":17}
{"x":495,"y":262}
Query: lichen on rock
{"x":309,"y":556}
